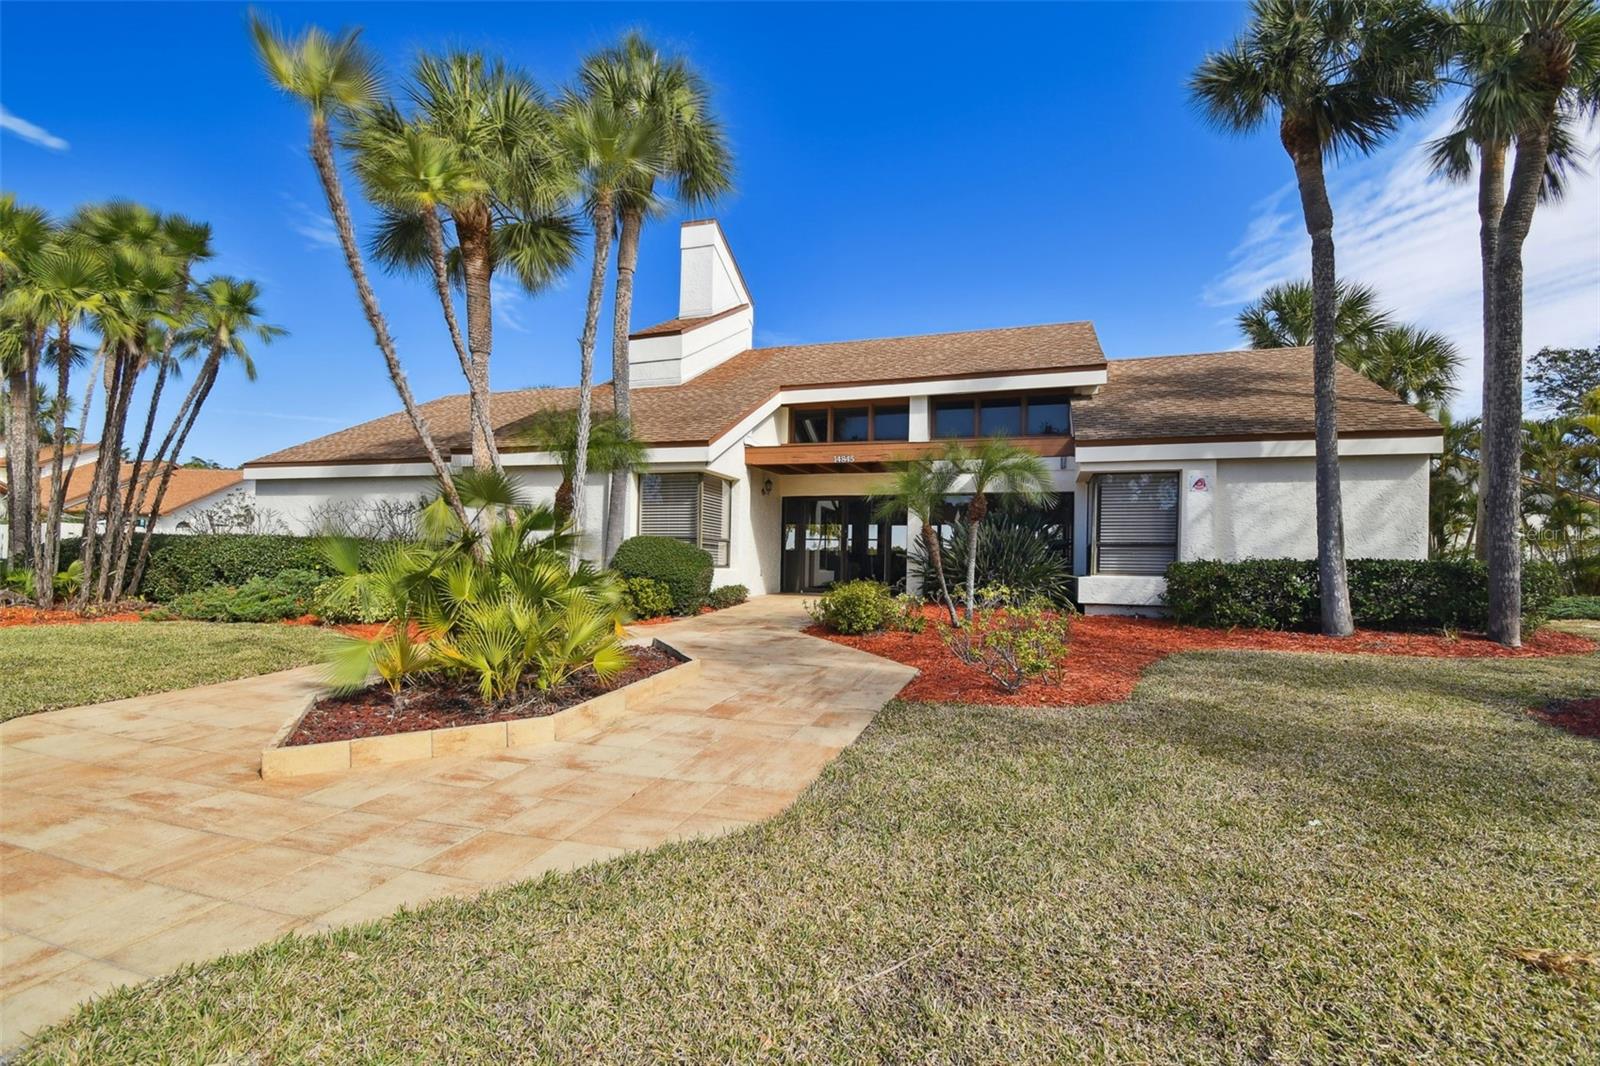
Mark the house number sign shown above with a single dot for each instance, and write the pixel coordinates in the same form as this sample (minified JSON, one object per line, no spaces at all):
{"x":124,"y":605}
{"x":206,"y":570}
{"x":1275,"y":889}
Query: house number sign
{"x":844,"y":458}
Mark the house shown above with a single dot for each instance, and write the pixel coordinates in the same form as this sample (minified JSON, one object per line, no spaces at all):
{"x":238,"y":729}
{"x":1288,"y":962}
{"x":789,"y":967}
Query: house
{"x":767,"y":457}
{"x":192,"y":498}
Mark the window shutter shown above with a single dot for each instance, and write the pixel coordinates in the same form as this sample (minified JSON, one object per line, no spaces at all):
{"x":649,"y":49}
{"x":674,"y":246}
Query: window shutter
{"x":667,"y":505}
{"x":1136,"y":519}
{"x":714,"y":519}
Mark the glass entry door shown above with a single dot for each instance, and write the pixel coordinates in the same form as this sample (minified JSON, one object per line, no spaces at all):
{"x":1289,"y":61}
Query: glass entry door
{"x":829,"y":539}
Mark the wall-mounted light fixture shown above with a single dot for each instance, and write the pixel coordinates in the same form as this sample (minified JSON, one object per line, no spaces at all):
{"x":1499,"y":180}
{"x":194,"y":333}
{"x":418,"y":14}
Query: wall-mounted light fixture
{"x":766,"y":487}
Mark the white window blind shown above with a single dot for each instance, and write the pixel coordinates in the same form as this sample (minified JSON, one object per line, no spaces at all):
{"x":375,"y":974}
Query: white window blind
{"x":1136,"y":523}
{"x":714,"y":519}
{"x":687,"y":507}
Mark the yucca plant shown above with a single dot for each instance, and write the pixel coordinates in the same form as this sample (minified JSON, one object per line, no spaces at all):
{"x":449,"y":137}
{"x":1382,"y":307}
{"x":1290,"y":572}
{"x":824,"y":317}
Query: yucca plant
{"x":493,"y":602}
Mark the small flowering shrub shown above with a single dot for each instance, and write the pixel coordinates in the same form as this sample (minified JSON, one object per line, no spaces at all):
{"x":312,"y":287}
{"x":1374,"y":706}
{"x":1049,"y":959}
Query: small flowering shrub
{"x":645,"y":597}
{"x":908,"y":616}
{"x":728,"y":596}
{"x":853,"y":608}
{"x":1013,"y":646}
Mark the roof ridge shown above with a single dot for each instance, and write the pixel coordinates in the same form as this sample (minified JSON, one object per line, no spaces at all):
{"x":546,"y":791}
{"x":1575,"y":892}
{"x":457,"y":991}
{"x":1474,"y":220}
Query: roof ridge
{"x":926,"y":336}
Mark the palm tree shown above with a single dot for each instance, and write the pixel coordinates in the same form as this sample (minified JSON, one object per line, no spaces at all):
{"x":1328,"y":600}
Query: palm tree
{"x":335,"y":79}
{"x":482,"y":151}
{"x":1532,"y":69}
{"x":996,"y":465}
{"x":1417,"y":365}
{"x":66,"y":285}
{"x":611,"y":447}
{"x":1339,"y":77}
{"x":671,"y":100}
{"x":920,"y":488}
{"x":612,"y":150}
{"x":24,"y":233}
{"x":1453,"y":486}
{"x":227,"y":315}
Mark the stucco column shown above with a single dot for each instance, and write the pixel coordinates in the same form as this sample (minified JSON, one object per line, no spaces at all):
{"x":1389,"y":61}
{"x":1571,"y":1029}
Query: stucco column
{"x":920,"y":428}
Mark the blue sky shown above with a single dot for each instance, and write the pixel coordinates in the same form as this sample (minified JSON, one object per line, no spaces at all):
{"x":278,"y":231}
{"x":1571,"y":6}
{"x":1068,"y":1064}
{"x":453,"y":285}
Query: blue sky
{"x":902,"y":169}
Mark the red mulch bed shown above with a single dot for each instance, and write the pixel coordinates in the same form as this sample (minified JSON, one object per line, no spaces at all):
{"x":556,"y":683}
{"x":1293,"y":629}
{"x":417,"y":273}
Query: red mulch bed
{"x":1579,"y":717}
{"x":663,"y":619}
{"x":376,"y":712}
{"x":33,"y":616}
{"x":1108,"y":654}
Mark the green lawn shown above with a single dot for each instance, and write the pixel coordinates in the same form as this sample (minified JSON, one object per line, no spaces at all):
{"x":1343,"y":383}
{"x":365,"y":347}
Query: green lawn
{"x":45,"y":667}
{"x":1257,"y":858}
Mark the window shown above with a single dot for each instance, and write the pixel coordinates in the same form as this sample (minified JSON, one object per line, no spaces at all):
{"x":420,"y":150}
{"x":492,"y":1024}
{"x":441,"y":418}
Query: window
{"x":953,"y":418}
{"x":891,"y":423}
{"x":848,"y":424}
{"x":811,"y":427}
{"x":851,"y":423}
{"x":1136,"y":523}
{"x":689,"y":507}
{"x":1001,"y":418}
{"x":1049,"y":416}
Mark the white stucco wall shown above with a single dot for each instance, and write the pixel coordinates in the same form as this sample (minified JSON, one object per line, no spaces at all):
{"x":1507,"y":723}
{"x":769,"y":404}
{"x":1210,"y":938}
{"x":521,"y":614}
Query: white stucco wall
{"x":1266,"y":509}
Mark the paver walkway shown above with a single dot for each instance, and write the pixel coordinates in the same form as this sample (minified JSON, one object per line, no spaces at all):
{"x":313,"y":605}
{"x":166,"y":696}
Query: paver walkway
{"x":137,"y":835}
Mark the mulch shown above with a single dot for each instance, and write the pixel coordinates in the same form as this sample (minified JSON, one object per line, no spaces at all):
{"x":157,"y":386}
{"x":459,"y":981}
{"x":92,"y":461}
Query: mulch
{"x":1578,"y":717}
{"x":61,"y":616}
{"x":1109,"y":653}
{"x":374,"y":711}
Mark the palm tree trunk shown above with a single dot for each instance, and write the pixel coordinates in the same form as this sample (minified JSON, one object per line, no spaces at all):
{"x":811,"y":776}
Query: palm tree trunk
{"x":930,"y":537}
{"x":1502,"y":393}
{"x":1491,"y":201}
{"x":621,"y":390}
{"x":475,"y":236}
{"x":328,"y":172}
{"x":45,"y":567}
{"x":482,"y":432}
{"x":108,"y":449}
{"x":202,"y":387}
{"x":105,"y":557}
{"x":604,"y":220}
{"x":21,"y":510}
{"x":124,"y":539}
{"x":1307,"y":155}
{"x":30,"y":443}
{"x":157,"y":462}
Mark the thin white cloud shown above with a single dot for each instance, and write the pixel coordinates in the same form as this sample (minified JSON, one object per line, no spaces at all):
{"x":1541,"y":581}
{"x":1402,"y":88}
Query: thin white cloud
{"x":316,"y":227}
{"x":510,"y":303}
{"x":1414,"y":238}
{"x":30,"y":132}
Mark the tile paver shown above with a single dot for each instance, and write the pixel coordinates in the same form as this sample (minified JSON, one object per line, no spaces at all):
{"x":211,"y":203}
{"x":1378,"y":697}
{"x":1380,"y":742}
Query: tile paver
{"x":137,"y":835}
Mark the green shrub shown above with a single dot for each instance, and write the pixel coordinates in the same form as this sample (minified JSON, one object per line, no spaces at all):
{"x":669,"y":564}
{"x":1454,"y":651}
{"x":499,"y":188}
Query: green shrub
{"x":287,"y":594}
{"x":1013,"y":646}
{"x":336,"y":602}
{"x":908,"y":616}
{"x":645,"y":597}
{"x":1387,"y":594}
{"x":1575,"y":607}
{"x":683,"y":568}
{"x":181,"y":563}
{"x":854,"y":607}
{"x":729,"y":596}
{"x":1014,"y":550}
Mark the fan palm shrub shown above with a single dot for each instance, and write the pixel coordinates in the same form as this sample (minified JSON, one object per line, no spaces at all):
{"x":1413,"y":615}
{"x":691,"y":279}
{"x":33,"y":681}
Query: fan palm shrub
{"x":1016,"y":551}
{"x":492,"y":601}
{"x":996,"y":465}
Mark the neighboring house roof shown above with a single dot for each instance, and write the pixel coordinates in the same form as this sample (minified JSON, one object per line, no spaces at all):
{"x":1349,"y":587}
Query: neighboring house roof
{"x":188,"y":485}
{"x":706,"y":406}
{"x":1239,"y":395}
{"x":191,"y":485}
{"x":47,"y":453}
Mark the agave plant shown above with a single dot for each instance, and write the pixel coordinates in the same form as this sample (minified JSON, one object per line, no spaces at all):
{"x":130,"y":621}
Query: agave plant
{"x":494,"y":602}
{"x":1016,"y":551}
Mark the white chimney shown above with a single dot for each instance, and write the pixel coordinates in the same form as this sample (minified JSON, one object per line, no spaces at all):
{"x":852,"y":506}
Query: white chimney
{"x":716,"y":319}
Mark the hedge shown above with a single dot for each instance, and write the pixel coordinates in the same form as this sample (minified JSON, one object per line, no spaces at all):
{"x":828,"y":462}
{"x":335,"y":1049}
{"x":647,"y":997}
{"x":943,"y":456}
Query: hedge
{"x":181,"y":563}
{"x":683,"y":568}
{"x":1388,"y":594}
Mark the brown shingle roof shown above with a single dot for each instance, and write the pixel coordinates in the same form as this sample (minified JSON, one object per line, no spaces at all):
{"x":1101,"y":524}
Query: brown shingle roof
{"x":681,"y":325}
{"x":189,"y":485}
{"x":702,"y":409}
{"x":1242,"y":394}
